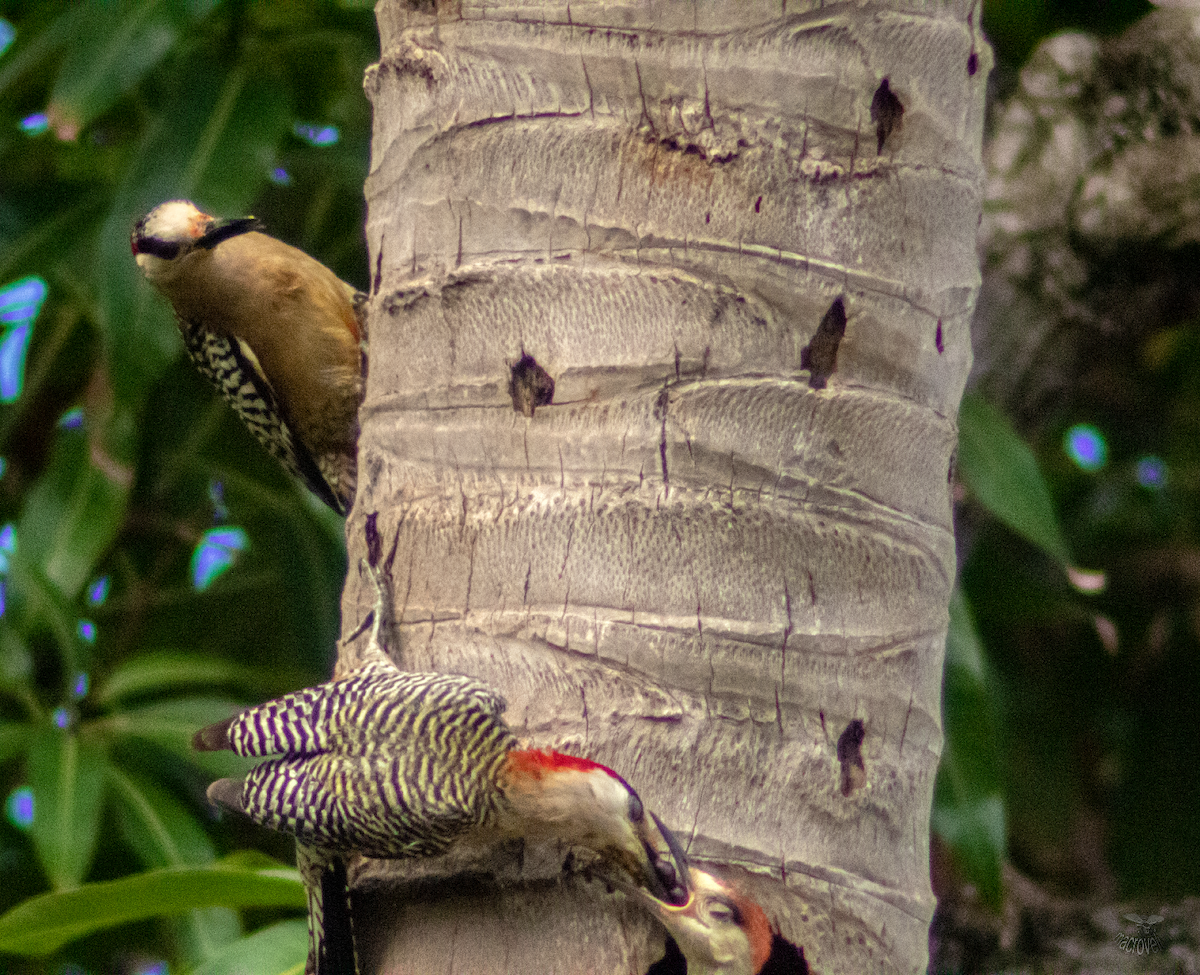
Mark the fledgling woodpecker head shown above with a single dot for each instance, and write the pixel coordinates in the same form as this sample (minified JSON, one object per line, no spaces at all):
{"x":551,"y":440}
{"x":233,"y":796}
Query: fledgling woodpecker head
{"x":551,"y":795}
{"x":720,"y":931}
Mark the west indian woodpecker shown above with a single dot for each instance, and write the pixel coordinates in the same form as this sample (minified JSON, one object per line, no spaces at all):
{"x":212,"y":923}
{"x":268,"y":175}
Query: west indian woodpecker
{"x":720,"y":929}
{"x":392,"y":764}
{"x":274,"y":330}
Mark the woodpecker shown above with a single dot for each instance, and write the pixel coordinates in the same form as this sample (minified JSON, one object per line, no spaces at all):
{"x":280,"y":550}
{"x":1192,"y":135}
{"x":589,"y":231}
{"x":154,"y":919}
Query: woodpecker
{"x":719,"y":929}
{"x":394,"y":764}
{"x":274,"y":330}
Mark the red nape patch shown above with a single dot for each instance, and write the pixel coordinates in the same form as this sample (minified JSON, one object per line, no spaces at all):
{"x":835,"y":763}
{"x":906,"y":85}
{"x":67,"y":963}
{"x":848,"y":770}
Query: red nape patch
{"x":758,"y":931}
{"x":535,"y":763}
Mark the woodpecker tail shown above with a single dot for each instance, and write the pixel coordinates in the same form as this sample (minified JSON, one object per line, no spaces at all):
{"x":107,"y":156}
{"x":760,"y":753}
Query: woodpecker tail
{"x":331,"y":946}
{"x":227,"y":793}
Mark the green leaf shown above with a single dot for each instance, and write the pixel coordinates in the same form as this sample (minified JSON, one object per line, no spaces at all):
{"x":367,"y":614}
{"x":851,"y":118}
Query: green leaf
{"x":964,"y":649}
{"x":158,"y":827}
{"x":1000,"y":470}
{"x":976,"y":832}
{"x":112,"y":50}
{"x":37,"y":601}
{"x":41,"y":925}
{"x":71,"y":515}
{"x":36,"y":47}
{"x":281,"y":949}
{"x":968,"y":805}
{"x":164,"y":833}
{"x":164,"y":671}
{"x":170,"y":725}
{"x":240,"y":141}
{"x":15,"y":737}
{"x":66,"y":774}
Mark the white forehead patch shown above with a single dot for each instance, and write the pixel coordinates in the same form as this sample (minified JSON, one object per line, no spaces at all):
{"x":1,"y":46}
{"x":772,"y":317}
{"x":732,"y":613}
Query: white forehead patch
{"x":173,"y":220}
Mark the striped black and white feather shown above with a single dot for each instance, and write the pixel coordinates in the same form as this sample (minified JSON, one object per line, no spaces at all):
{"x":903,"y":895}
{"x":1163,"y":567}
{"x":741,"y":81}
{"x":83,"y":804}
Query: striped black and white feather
{"x":385,"y":762}
{"x":233,"y":368}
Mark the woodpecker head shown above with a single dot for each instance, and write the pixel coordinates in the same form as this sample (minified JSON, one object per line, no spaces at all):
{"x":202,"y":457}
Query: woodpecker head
{"x":719,"y":930}
{"x":163,"y":239}
{"x":564,"y":797}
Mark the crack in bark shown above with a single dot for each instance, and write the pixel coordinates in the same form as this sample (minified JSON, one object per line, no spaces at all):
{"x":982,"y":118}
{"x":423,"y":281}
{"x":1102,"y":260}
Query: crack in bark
{"x":660,"y":407}
{"x":904,"y":730}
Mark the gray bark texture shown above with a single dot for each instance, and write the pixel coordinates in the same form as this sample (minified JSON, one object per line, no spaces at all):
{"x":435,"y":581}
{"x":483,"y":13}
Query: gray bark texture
{"x":727,"y":538}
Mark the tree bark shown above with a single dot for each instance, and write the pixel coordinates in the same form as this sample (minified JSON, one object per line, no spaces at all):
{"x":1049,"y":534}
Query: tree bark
{"x":719,"y":558}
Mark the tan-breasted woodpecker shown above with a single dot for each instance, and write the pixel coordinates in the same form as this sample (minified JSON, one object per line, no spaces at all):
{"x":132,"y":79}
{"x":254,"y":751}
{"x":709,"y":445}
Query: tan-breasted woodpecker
{"x":392,"y":764}
{"x":273,"y":329}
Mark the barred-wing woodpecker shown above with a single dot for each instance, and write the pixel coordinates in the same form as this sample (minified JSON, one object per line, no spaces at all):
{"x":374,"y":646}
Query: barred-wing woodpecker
{"x":391,"y":764}
{"x":275,"y":331}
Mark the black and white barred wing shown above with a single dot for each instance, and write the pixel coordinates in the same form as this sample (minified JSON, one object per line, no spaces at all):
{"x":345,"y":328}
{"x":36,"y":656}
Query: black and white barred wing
{"x":384,"y":763}
{"x":233,"y":368}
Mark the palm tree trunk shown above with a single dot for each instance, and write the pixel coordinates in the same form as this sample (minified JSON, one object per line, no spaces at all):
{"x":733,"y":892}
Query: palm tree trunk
{"x":740,"y":239}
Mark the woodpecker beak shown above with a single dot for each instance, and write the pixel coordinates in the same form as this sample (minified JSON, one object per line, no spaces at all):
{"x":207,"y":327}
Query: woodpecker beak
{"x":673,"y":873}
{"x":220,"y":230}
{"x":661,"y":872}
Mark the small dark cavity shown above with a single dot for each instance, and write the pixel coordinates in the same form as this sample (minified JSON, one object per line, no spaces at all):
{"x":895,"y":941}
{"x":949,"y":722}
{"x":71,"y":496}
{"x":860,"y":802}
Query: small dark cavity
{"x":672,"y":963}
{"x":530,"y":385}
{"x":374,"y":541}
{"x":378,"y":281}
{"x":849,"y":753}
{"x":820,"y":355}
{"x":708,"y":217}
{"x":785,"y":959}
{"x":938,"y":339}
{"x":972,"y":63}
{"x":758,"y":205}
{"x":886,"y":113}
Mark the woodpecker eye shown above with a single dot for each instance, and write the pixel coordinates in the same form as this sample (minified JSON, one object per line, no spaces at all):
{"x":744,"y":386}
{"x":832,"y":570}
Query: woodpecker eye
{"x":723,"y":910}
{"x":166,"y":249}
{"x":636,"y":811}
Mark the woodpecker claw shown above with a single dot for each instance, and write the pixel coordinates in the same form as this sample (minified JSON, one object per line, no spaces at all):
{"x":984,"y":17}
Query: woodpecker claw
{"x":227,"y":793}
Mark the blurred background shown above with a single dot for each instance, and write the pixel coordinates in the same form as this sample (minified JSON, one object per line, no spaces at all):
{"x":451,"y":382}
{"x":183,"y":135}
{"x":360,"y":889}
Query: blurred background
{"x":157,"y":567}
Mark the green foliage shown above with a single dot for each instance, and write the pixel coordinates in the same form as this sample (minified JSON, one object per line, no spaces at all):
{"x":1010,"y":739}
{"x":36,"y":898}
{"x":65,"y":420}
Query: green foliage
{"x":1014,"y":27}
{"x":968,"y":800}
{"x":118,"y":462}
{"x":1003,"y":476}
{"x":41,"y":925}
{"x":1001,"y":471}
{"x":280,"y":949}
